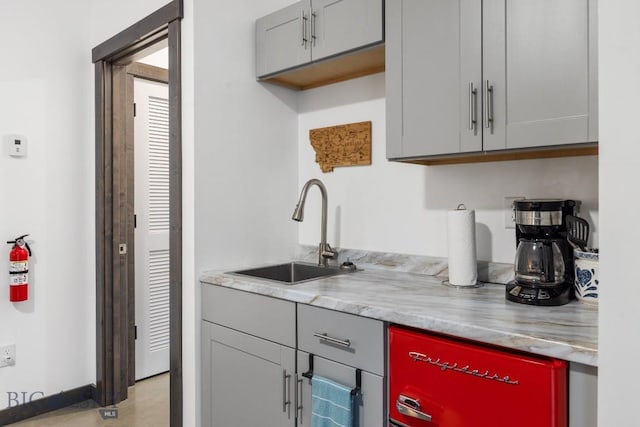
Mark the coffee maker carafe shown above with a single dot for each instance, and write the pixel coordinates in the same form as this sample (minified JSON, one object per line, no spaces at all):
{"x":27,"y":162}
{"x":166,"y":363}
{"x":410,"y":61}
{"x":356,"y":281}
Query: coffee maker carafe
{"x":539,"y":262}
{"x":544,"y":261}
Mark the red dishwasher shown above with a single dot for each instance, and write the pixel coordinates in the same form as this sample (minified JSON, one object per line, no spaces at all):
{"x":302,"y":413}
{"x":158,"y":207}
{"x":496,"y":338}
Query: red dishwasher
{"x":443,"y":382}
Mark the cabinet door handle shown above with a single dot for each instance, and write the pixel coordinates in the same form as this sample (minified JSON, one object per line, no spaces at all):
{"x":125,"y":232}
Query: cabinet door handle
{"x":286,"y":393}
{"x":299,"y":399}
{"x":312,"y":14}
{"x":473,"y":108}
{"x":411,"y":408}
{"x":303,"y":28}
{"x":488,"y":106}
{"x":325,"y":337}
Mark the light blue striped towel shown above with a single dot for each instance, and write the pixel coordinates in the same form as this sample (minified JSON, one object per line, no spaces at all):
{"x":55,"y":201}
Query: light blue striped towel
{"x":331,"y":403}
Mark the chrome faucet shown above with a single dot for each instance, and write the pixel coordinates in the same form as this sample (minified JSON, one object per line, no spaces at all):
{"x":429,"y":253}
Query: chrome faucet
{"x":324,"y":250}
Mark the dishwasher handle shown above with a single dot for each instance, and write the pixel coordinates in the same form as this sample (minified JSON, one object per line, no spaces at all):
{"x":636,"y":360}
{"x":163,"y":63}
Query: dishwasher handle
{"x":411,"y":408}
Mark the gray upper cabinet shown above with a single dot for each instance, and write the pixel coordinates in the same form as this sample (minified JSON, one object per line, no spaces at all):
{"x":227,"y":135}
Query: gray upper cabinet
{"x":339,"y":26}
{"x":427,"y":108}
{"x":465,"y":76}
{"x":282,"y":39}
{"x":539,"y":59}
{"x":309,"y":31}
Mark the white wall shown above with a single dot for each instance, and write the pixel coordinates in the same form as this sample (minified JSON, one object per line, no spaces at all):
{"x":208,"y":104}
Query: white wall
{"x":190,"y":302}
{"x":157,"y":59}
{"x":619,"y":67}
{"x":108,"y":18}
{"x":244,"y":142}
{"x":397,"y":207}
{"x":46,"y":94}
{"x":245,"y":150}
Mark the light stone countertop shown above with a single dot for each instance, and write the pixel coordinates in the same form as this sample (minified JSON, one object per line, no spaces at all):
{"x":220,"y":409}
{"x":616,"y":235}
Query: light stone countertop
{"x":482,"y":314}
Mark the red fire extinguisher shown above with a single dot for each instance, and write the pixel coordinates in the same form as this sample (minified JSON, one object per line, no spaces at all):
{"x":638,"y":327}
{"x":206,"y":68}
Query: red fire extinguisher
{"x":19,"y":269}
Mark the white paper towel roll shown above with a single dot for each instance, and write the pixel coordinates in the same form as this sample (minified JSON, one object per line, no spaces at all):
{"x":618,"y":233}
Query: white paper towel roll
{"x":461,"y":238}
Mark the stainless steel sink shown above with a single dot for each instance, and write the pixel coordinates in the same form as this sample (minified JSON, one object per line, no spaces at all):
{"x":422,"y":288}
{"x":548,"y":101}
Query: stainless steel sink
{"x":291,"y":273}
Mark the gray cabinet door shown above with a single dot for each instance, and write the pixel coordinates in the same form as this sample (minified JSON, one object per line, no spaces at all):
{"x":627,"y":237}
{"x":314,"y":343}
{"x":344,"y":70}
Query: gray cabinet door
{"x":369,"y":406}
{"x":583,"y":395}
{"x":282,"y":39}
{"x":246,"y":381}
{"x":528,"y":70}
{"x":433,"y":57}
{"x":339,"y":26}
{"x":538,"y":58}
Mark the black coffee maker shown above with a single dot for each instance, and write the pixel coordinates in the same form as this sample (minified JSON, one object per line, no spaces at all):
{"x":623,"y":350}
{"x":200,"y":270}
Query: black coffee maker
{"x":544,"y":259}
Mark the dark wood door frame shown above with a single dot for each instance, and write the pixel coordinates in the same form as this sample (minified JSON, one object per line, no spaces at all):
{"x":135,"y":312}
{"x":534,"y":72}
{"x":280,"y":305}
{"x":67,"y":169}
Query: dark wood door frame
{"x":113,"y":223}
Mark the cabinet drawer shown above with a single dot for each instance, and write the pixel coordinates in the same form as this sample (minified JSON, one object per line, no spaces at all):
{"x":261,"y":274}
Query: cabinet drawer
{"x":265,"y":317}
{"x":353,"y":340}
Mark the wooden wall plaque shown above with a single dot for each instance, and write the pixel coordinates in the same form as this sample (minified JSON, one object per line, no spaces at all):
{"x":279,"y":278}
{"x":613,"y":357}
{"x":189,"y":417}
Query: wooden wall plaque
{"x":343,"y":145}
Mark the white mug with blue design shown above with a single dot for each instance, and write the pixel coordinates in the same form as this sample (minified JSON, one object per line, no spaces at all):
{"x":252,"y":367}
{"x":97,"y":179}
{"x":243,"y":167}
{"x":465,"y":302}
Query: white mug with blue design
{"x":587,"y":276}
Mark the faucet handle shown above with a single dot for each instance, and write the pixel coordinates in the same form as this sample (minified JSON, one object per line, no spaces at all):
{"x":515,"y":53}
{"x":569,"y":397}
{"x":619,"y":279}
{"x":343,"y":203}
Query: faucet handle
{"x":327,"y":251}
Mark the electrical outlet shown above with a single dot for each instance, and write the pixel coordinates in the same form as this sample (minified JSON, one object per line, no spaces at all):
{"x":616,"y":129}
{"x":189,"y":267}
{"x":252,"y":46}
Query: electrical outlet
{"x":509,"y":213}
{"x":7,"y":355}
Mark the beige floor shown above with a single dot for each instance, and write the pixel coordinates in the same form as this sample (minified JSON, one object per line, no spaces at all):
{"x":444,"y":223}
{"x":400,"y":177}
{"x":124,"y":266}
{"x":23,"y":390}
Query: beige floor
{"x":147,"y":406}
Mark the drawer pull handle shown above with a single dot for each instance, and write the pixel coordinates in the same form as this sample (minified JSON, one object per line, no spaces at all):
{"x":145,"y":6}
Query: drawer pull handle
{"x":411,"y":408}
{"x":325,"y":337}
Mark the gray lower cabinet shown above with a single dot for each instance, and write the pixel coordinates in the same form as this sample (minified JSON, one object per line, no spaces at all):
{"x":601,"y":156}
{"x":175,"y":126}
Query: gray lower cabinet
{"x":261,"y":316}
{"x":248,"y":359}
{"x":368,"y":406}
{"x":309,"y":31}
{"x":246,"y":381}
{"x":583,"y":395}
{"x":341,"y":343}
{"x":465,"y":76}
{"x":250,"y":376}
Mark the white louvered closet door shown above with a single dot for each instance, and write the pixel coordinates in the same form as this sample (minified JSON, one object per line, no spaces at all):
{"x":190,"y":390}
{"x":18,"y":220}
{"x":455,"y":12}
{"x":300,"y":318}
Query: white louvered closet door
{"x":151,"y":153}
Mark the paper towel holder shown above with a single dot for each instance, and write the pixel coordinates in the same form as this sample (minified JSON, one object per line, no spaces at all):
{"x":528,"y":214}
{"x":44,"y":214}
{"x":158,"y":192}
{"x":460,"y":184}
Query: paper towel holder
{"x":477,"y":284}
